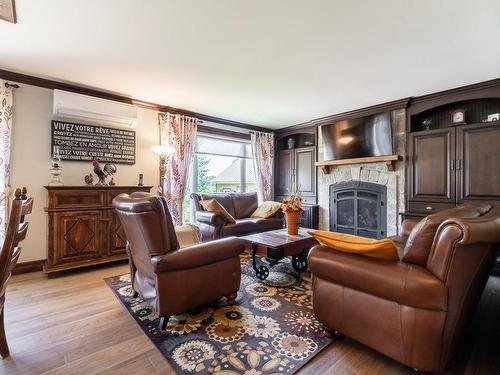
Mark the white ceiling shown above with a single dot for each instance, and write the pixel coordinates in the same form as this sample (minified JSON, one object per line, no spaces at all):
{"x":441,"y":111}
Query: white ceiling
{"x":270,"y":63}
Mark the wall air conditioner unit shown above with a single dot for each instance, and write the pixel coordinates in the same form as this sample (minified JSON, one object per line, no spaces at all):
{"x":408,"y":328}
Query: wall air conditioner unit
{"x":78,"y":106}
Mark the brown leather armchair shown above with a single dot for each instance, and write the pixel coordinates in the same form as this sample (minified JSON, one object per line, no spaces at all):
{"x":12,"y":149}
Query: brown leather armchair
{"x":413,"y":310}
{"x":174,"y":280}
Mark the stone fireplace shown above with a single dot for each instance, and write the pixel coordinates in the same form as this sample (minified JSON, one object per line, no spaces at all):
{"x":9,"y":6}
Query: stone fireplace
{"x":359,"y":208}
{"x":380,"y":180}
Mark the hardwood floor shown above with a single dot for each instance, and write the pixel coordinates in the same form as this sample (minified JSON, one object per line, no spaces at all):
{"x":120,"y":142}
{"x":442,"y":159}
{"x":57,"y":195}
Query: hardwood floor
{"x":74,"y":325}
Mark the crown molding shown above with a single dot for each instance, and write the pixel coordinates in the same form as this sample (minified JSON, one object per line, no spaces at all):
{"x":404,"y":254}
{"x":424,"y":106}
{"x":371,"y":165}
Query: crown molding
{"x":479,"y":90}
{"x":79,"y":89}
{"x":382,"y":107}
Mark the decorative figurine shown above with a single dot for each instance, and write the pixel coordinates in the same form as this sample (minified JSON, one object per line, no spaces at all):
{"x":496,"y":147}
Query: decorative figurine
{"x":112,"y":182}
{"x":427,"y":123}
{"x":141,"y":180}
{"x":89,"y":179}
{"x":291,"y":143}
{"x":102,"y":173}
{"x":56,"y":168}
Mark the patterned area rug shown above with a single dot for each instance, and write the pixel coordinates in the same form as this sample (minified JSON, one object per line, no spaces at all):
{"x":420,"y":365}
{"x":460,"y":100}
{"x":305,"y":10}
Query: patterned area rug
{"x":270,"y":330}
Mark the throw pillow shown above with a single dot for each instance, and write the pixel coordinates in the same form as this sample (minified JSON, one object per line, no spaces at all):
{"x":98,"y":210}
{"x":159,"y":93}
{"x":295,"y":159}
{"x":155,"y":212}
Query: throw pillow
{"x":381,"y":249}
{"x":266,"y":209}
{"x":211,"y":205}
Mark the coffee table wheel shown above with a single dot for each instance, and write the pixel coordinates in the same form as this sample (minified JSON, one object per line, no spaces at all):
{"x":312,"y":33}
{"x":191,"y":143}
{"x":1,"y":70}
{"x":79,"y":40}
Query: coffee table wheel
{"x":299,"y":263}
{"x":262,"y":272}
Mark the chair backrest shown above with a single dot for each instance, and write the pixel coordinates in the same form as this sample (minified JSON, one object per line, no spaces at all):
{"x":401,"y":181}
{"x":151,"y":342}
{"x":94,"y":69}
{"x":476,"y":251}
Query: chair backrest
{"x":148,"y":226}
{"x":462,"y":256}
{"x":419,"y":243}
{"x":17,"y":228}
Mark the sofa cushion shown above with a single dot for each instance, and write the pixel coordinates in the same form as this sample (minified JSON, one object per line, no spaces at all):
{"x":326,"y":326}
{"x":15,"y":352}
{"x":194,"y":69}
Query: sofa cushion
{"x":419,"y":243}
{"x":211,"y":205}
{"x":266,"y":209}
{"x":250,"y":225}
{"x":382,"y":249}
{"x":244,"y":204}
{"x":224,"y":199}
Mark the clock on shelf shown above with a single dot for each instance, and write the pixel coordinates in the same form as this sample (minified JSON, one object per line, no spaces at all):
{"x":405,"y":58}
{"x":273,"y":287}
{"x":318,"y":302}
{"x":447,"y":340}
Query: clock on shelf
{"x":458,"y":117}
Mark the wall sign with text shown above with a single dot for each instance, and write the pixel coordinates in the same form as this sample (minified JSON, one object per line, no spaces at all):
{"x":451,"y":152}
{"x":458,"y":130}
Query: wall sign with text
{"x":80,"y":142}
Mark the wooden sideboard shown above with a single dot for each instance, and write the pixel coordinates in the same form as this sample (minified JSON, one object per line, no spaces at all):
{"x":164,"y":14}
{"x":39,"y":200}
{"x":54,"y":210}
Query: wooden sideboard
{"x":83,"y":227}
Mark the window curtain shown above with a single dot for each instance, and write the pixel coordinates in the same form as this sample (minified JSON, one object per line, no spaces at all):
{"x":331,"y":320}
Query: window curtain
{"x":6,"y":112}
{"x":263,"y":158}
{"x":180,"y":132}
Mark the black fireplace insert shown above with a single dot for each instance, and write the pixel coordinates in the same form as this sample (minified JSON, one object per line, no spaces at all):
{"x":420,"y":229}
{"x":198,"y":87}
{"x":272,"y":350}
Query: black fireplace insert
{"x":359,"y":208}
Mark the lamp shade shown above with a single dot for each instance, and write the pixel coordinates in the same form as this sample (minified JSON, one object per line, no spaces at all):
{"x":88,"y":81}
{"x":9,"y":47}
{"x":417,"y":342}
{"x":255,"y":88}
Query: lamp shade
{"x":163,"y":150}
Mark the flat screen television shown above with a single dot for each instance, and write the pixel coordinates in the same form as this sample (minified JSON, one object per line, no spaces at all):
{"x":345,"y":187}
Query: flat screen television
{"x":358,"y":138}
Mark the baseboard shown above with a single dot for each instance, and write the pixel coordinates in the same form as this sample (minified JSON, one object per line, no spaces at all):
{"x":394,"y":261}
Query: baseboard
{"x":25,"y":267}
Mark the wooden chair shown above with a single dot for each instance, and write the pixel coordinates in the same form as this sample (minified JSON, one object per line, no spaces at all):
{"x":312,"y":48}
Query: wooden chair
{"x":16,"y":232}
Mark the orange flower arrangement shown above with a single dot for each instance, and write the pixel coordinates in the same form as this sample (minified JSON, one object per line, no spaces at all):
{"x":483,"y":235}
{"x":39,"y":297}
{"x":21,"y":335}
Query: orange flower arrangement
{"x":292,"y":204}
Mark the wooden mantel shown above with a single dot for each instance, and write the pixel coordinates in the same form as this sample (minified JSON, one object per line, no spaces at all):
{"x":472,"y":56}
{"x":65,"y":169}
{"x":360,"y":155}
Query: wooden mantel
{"x":390,"y":161}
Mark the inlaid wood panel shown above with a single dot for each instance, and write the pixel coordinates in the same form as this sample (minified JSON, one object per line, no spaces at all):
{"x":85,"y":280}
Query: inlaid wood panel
{"x":78,"y":236}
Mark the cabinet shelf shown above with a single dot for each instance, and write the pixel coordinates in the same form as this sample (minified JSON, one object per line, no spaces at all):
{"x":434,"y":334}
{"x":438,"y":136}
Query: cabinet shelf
{"x":390,"y":161}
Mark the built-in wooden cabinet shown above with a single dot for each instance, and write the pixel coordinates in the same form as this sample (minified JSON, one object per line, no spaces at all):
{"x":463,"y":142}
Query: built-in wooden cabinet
{"x":83,"y":227}
{"x":449,"y":164}
{"x":295,"y":170}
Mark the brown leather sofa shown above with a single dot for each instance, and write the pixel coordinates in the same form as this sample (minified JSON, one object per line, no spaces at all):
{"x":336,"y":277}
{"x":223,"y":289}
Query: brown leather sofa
{"x":412,"y":310}
{"x":174,"y":280}
{"x":240,"y":206}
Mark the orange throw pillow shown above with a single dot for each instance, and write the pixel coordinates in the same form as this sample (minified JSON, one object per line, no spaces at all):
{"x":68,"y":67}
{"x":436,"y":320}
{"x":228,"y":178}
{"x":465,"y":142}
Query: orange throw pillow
{"x":381,"y":249}
{"x":212,"y":205}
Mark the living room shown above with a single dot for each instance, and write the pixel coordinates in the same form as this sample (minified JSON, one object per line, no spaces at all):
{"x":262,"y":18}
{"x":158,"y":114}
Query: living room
{"x":249,"y":188}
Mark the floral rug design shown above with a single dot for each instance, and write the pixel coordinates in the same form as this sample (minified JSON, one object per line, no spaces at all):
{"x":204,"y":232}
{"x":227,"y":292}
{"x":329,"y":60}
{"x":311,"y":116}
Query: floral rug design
{"x":270,"y":330}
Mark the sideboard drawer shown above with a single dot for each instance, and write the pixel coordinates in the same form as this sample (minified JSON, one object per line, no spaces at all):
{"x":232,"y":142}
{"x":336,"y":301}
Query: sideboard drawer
{"x":78,"y":199}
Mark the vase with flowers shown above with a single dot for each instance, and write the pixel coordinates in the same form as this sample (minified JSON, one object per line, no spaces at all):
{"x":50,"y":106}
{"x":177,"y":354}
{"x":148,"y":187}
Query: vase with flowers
{"x":292,"y":207}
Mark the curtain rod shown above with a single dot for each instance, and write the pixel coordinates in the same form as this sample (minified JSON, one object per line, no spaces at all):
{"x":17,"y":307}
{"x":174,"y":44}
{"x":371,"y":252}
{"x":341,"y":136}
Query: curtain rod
{"x":13,"y":85}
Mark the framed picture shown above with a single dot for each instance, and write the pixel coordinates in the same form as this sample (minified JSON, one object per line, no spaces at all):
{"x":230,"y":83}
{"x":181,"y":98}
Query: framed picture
{"x":8,"y":11}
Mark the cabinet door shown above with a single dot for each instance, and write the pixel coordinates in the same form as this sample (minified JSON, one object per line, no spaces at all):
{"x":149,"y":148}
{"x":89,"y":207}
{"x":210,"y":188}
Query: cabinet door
{"x":431,"y":171}
{"x":118,"y":239}
{"x":77,"y":236}
{"x":478,"y":154}
{"x":305,"y":171}
{"x":284,"y":172}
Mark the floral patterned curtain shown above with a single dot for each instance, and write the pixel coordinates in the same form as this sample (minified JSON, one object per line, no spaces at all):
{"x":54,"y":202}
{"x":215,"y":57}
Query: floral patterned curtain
{"x":263,"y":158}
{"x":180,"y":132}
{"x":6,"y":112}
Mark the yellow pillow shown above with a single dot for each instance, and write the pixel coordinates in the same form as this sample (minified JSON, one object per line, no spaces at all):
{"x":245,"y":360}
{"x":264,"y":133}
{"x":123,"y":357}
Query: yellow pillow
{"x":381,"y":249}
{"x":212,"y":205}
{"x":266,"y":209}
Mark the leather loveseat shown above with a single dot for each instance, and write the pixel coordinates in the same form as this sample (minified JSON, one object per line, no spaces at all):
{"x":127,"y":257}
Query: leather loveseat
{"x":238,"y":205}
{"x":413,"y":310}
{"x":174,"y":280}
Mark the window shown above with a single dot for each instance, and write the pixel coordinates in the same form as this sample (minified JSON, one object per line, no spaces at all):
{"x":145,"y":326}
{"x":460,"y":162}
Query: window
{"x":222,"y":165}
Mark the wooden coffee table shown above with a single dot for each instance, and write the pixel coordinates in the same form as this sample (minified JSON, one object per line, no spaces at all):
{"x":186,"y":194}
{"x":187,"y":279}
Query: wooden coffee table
{"x":276,"y":245}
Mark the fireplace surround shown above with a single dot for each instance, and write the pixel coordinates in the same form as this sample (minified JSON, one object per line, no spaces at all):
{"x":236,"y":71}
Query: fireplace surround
{"x":359,"y":208}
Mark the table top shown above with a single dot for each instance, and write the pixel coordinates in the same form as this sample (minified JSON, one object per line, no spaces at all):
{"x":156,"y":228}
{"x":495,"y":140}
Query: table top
{"x":280,"y":237}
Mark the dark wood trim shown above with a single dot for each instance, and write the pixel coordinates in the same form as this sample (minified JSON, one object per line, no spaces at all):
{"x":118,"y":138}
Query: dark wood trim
{"x":388,"y":106}
{"x":223,"y":132}
{"x":481,"y":90}
{"x":25,"y":267}
{"x":79,"y":89}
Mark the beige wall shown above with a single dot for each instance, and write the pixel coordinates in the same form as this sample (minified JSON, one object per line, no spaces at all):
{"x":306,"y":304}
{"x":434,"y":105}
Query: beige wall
{"x":30,"y":159}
